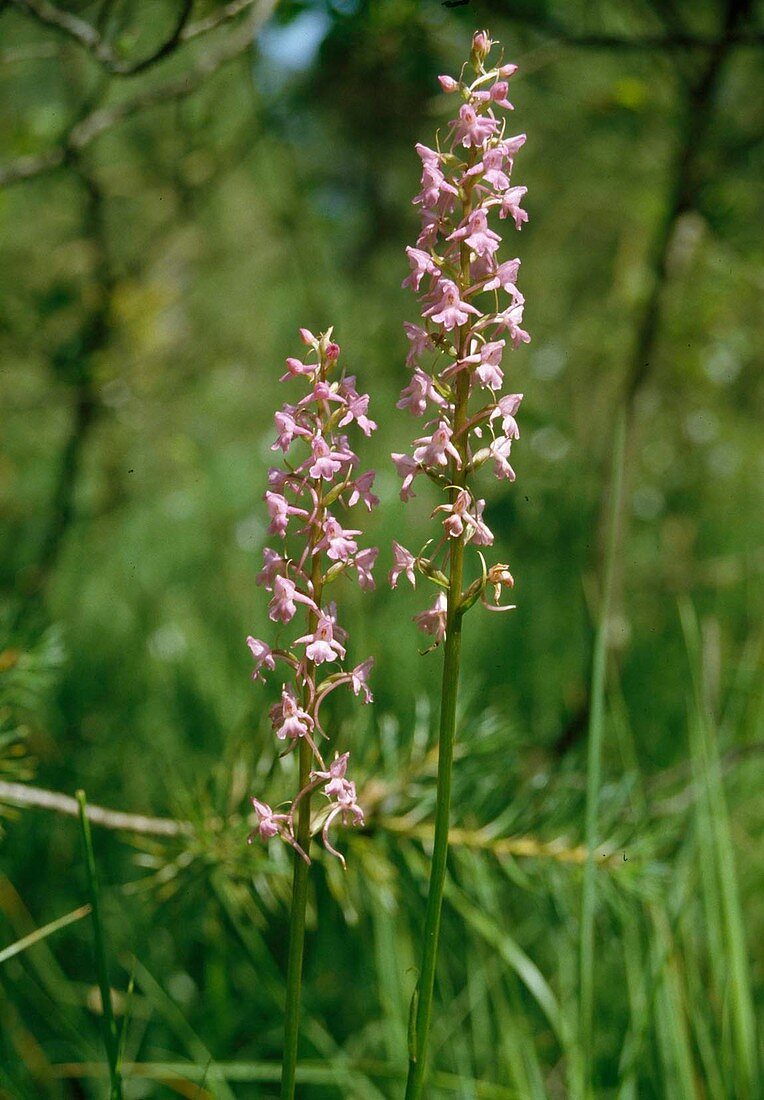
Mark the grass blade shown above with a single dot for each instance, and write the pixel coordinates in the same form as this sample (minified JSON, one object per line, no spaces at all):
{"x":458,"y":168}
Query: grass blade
{"x":16,"y":948}
{"x":594,"y":769}
{"x":110,"y":1037}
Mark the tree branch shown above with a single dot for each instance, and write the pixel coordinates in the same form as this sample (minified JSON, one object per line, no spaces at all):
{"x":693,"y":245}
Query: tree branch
{"x":106,"y":118}
{"x":91,"y":39}
{"x":20,"y":794}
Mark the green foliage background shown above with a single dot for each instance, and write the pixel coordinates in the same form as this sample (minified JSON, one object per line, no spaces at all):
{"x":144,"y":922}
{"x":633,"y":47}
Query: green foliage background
{"x":151,"y":286}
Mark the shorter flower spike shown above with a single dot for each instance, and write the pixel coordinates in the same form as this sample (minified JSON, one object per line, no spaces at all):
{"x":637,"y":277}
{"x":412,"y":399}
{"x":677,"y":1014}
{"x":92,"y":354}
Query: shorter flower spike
{"x":315,"y":548}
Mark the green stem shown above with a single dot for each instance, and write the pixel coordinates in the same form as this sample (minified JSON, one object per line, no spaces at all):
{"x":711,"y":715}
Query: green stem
{"x":426,"y":984}
{"x":296,"y":934}
{"x":422,"y":1004}
{"x":301,"y":869}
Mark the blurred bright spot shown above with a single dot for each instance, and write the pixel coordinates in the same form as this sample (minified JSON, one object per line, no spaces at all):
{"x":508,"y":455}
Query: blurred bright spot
{"x":293,"y":47}
{"x":722,"y":365}
{"x":630,"y":93}
{"x":549,"y":362}
{"x":550,"y":443}
{"x":647,"y":502}
{"x":701,"y":426}
{"x":168,"y":642}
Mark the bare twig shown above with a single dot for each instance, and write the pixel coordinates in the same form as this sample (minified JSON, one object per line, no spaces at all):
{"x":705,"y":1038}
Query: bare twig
{"x":20,"y":794}
{"x":106,"y":118}
{"x":224,"y":15}
{"x":90,"y":38}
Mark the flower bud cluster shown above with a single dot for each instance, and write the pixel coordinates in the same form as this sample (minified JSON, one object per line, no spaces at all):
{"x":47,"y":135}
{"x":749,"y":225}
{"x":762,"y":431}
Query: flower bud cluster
{"x":312,"y":549}
{"x":471,"y":315}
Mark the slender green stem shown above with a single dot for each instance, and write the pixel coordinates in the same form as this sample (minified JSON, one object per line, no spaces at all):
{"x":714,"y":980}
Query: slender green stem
{"x":296,"y":934}
{"x":422,"y":1003}
{"x":300,"y":878}
{"x":423,"y":1009}
{"x":110,"y":1036}
{"x":594,"y":770}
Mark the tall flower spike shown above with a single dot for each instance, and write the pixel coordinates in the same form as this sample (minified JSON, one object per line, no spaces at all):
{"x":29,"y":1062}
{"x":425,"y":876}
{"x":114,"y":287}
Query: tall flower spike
{"x":471,"y":317}
{"x":313,"y":548}
{"x":471,"y":314}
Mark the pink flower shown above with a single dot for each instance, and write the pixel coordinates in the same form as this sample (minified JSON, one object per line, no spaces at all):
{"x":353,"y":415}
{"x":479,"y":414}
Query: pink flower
{"x":459,"y":519}
{"x":326,"y":462}
{"x":506,"y":408}
{"x":476,"y":234}
{"x":419,"y":391}
{"x":449,"y":311}
{"x":269,"y":824}
{"x":346,"y":808}
{"x":278,"y":479}
{"x":505,"y":276}
{"x":403,"y":562}
{"x":448,"y":84}
{"x":510,"y":205}
{"x":331,"y":613}
{"x":436,"y":190}
{"x":434,"y":449}
{"x":488,"y":371}
{"x":321,"y":644}
{"x":456,"y":514}
{"x":433,"y":621}
{"x":359,"y":678}
{"x":296,"y":368}
{"x":280,"y":510}
{"x":321,"y":391}
{"x":500,"y":450}
{"x":407,"y":468}
{"x":263,"y":657}
{"x":335,"y":774}
{"x":481,"y":45}
{"x":338,"y":542}
{"x":364,"y":563}
{"x":419,"y":339}
{"x":473,"y":129}
{"x":422,"y":264}
{"x":283,"y":606}
{"x":357,"y":407}
{"x":493,"y":168}
{"x":273,"y":564}
{"x":288,"y":718}
{"x":481,"y":535}
{"x":361,"y":490}
{"x":288,"y":428}
{"x":499,"y":95}
{"x":512,"y":145}
{"x":510,"y":321}
{"x":429,"y":157}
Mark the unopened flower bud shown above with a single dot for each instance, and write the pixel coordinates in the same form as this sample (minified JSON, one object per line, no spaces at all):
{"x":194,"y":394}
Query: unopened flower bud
{"x":448,"y":84}
{"x":481,"y":45}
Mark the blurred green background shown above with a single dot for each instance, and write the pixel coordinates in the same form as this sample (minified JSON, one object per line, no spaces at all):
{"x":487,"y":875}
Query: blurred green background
{"x":182,"y":186}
